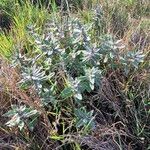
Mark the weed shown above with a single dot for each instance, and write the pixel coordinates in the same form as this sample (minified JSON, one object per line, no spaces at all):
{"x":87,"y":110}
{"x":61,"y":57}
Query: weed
{"x":75,"y":77}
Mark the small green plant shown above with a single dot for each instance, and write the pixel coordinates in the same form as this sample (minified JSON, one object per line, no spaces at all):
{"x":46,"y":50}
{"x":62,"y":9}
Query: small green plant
{"x":78,"y":58}
{"x":132,"y":59}
{"x":22,"y":116}
{"x":84,"y":118}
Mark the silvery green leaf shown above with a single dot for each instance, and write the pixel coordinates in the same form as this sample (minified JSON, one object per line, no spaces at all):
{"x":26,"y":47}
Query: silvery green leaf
{"x":50,"y":52}
{"x":14,"y":121}
{"x":92,"y":86}
{"x":77,"y":30}
{"x":78,"y":96}
{"x":84,"y":118}
{"x":106,"y":59}
{"x":10,"y":113}
{"x":30,"y":113}
{"x":21,"y":125}
{"x":32,"y":123}
{"x":111,"y":55}
{"x":80,"y":123}
{"x":135,"y":64}
{"x":67,"y":92}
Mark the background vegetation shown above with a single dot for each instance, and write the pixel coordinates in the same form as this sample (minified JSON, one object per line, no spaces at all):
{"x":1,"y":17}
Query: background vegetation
{"x":74,"y":74}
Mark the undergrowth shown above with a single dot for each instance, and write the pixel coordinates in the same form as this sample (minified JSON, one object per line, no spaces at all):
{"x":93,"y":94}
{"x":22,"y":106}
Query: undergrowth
{"x":75,"y":75}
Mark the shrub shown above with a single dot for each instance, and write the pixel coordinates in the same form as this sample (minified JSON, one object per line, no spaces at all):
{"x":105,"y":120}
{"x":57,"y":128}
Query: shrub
{"x":72,"y":81}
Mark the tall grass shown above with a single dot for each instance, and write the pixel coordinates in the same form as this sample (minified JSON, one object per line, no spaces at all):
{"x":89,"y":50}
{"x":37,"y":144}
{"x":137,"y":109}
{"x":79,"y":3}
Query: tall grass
{"x":6,"y":45}
{"x":24,"y":15}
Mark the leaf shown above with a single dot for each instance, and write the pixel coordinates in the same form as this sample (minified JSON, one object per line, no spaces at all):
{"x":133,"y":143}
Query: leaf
{"x":30,"y":113}
{"x":67,"y":92}
{"x":135,"y":64}
{"x":14,"y":121}
{"x":21,"y":125}
{"x":92,"y":86}
{"x":111,"y":55}
{"x":32,"y":123}
{"x":80,"y":123}
{"x":57,"y":137}
{"x":10,"y":113}
{"x":105,"y":59}
{"x":84,"y":118}
{"x":85,"y":86}
{"x":78,"y":96}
